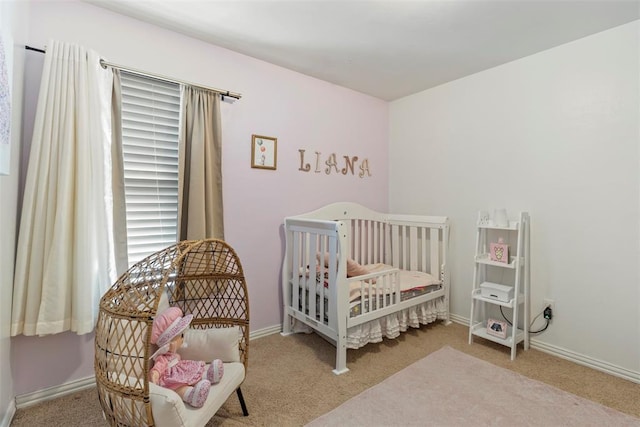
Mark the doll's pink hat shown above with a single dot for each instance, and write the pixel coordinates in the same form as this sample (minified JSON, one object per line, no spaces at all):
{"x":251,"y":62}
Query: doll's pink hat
{"x":169,"y":324}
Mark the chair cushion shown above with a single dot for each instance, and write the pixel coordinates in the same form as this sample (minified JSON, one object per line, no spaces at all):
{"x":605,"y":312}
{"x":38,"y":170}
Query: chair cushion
{"x":170,"y":411}
{"x":212,"y":343}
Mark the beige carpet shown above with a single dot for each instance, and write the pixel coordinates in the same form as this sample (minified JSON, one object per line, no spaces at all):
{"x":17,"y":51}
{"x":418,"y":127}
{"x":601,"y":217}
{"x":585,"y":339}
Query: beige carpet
{"x":450,"y":388}
{"x":290,"y":383}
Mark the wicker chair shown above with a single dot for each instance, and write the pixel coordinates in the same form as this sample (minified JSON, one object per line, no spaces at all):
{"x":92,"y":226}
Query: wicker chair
{"x":204,"y":278}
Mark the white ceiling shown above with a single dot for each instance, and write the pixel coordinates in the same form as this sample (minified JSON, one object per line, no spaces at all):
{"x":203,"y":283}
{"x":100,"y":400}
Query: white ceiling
{"x":388,"y":49}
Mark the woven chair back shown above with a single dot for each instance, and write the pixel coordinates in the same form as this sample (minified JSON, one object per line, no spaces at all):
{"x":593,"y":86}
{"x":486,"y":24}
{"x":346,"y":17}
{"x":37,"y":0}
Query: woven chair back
{"x":203,"y":278}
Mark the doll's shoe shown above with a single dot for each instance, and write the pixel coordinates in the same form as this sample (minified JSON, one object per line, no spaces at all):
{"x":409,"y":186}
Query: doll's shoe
{"x":215,"y":371}
{"x":197,"y":395}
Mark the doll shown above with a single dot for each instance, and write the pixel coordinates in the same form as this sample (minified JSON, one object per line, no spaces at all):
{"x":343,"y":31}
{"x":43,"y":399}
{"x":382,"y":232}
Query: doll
{"x":191,"y":379}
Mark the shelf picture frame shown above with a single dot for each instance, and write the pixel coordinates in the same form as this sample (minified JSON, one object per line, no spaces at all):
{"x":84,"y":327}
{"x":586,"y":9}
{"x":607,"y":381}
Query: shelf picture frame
{"x":497,"y":328}
{"x":499,"y":252}
{"x":264,"y":152}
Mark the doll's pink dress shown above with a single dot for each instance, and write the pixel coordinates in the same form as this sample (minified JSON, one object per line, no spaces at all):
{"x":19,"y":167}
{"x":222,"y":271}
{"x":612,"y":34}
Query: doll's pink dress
{"x":175,"y":372}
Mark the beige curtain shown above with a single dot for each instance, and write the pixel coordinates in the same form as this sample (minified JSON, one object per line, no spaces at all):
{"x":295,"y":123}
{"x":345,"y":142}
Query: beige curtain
{"x":64,"y":258}
{"x":117,"y":178}
{"x":200,"y":166}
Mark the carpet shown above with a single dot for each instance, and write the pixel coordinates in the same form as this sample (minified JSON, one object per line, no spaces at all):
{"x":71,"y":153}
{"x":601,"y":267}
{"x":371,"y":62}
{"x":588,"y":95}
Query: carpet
{"x":450,"y":388}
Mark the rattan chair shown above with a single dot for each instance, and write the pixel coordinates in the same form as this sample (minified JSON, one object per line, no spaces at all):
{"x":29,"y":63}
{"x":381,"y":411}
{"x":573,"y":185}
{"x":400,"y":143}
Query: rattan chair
{"x":204,"y":278}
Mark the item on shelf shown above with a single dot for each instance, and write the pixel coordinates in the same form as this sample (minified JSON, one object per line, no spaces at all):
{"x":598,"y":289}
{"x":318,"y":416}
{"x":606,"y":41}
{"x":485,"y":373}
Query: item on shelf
{"x":484,"y":218}
{"x":496,"y":291}
{"x":499,"y":251}
{"x":500,"y":218}
{"x":497,"y":328}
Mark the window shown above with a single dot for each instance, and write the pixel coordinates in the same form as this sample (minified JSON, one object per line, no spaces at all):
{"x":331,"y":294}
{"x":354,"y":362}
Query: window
{"x":150,"y":128}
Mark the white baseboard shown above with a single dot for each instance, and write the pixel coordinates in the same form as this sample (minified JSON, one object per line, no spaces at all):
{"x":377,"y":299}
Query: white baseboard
{"x":270,"y":330}
{"x":459,"y":319}
{"x":590,"y":362}
{"x":28,"y":399}
{"x":8,"y":416}
{"x":572,"y":356}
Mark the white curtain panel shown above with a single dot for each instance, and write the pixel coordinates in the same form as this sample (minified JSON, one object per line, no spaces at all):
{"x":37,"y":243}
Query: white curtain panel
{"x":65,"y":259}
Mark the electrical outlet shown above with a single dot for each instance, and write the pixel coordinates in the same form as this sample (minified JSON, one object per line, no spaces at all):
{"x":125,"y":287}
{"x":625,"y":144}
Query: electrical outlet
{"x":549,"y":303}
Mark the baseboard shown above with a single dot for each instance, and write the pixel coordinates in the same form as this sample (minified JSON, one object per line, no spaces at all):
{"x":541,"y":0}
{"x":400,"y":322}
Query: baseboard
{"x":459,"y":319}
{"x":8,"y":416}
{"x":590,"y":362}
{"x":265,"y":331}
{"x":28,"y":399}
{"x":572,"y":356}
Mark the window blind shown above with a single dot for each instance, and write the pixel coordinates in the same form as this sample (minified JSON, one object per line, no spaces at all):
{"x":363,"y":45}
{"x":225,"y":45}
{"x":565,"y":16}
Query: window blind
{"x":150,"y":128}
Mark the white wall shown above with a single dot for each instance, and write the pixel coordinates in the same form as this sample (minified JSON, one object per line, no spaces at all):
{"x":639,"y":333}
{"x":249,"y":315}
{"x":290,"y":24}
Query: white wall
{"x":300,"y":111}
{"x":13,"y":26}
{"x":555,"y":134}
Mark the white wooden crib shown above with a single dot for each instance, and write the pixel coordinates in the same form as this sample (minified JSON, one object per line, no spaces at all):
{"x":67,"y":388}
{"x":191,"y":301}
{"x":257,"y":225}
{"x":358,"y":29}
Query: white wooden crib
{"x":397,"y":250}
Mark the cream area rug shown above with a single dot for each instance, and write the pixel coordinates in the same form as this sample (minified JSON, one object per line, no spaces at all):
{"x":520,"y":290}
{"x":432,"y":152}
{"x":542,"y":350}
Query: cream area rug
{"x":450,"y":388}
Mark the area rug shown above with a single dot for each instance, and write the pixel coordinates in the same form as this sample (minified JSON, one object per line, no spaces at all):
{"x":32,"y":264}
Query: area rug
{"x":450,"y":388}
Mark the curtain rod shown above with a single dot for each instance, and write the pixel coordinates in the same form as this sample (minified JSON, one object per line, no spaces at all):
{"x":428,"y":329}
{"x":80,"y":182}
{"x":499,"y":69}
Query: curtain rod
{"x":35,"y":49}
{"x":222,"y":92}
{"x":106,"y":64}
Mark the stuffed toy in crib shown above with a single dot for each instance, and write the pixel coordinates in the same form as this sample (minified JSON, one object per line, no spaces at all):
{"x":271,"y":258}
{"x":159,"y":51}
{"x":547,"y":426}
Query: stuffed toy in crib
{"x":191,"y":379}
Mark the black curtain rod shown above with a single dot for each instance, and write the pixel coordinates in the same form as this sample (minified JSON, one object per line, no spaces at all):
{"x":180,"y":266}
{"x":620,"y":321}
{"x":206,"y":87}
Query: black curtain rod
{"x":35,"y":49}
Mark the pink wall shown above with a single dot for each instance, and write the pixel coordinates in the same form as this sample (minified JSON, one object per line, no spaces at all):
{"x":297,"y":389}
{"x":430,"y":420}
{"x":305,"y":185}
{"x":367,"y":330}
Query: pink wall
{"x":302,"y":112}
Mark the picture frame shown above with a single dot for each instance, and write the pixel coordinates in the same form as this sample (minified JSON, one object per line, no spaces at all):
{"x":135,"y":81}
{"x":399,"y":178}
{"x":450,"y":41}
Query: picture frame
{"x":497,"y":328}
{"x":499,"y":252}
{"x":264,"y":152}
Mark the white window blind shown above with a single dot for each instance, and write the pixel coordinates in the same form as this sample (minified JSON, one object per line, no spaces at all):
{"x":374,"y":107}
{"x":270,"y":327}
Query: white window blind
{"x":150,"y":127}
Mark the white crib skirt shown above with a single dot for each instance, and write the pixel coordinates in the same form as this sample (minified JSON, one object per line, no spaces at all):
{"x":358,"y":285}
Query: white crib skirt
{"x":389,"y":326}
{"x":392,"y":325}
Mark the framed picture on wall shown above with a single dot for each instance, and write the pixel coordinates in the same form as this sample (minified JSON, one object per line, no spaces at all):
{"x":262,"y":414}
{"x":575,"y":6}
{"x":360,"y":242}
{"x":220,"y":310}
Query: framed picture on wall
{"x":264,"y":152}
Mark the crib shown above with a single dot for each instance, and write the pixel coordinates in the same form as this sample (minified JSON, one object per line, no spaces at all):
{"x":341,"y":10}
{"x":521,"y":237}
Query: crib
{"x":355,"y":276}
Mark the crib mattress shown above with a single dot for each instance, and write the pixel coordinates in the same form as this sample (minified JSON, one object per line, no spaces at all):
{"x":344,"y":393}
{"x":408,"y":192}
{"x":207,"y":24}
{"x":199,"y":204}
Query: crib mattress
{"x":413,"y":283}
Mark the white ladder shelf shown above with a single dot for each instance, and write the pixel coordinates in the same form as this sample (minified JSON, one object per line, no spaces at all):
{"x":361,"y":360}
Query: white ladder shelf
{"x":516,"y":235}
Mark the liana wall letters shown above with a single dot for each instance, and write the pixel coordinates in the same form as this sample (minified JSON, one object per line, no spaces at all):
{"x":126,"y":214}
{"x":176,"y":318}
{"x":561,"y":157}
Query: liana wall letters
{"x":350,"y":164}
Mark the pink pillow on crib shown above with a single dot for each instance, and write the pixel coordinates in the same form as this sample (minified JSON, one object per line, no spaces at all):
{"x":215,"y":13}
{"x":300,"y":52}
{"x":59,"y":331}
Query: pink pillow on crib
{"x":353,"y":267}
{"x":326,"y":258}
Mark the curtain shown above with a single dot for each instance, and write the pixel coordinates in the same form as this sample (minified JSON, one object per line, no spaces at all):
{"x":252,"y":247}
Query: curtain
{"x":200,"y":166}
{"x":117,"y":174}
{"x":64,"y":258}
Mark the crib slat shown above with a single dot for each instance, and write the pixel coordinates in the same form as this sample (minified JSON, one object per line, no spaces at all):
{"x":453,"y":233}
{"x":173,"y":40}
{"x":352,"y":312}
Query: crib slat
{"x":368,"y":243}
{"x":323,"y":271}
{"x":356,"y":243}
{"x":413,"y":248}
{"x":405,"y":247}
{"x":435,"y":253}
{"x":375,"y":254}
{"x":295,"y":291}
{"x":333,"y":304}
{"x":312,"y":282}
{"x":386,"y":249}
{"x":395,"y":242}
